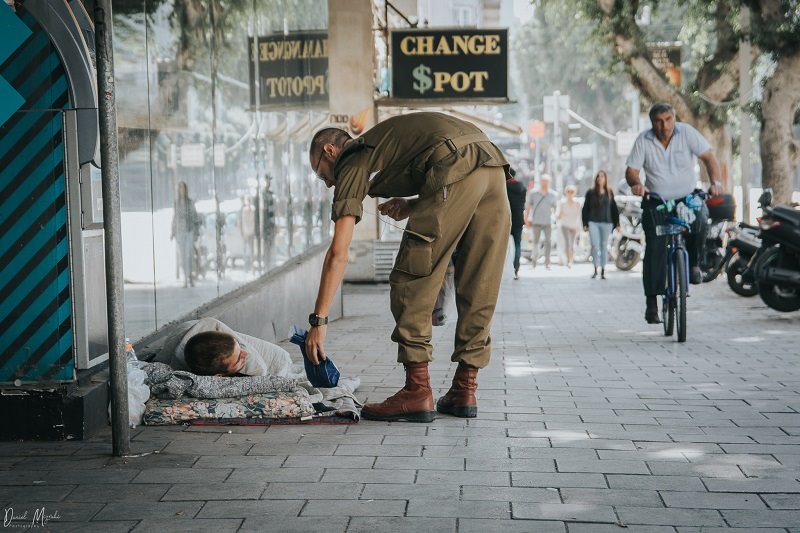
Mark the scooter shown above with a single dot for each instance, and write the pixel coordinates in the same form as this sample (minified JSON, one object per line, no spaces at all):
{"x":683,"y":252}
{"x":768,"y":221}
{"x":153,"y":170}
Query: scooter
{"x":627,"y":246}
{"x":777,"y":267}
{"x":743,"y":244}
{"x":721,"y":211}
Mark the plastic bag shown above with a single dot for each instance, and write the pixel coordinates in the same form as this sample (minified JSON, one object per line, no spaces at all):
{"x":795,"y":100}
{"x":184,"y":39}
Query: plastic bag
{"x":138,"y":393}
{"x":323,"y":375}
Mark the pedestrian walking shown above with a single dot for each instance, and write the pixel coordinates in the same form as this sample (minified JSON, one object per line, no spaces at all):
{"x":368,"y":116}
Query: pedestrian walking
{"x":458,"y":175}
{"x":539,"y":209}
{"x":568,"y":218}
{"x":516,"y":200}
{"x":600,"y":216}
{"x":185,"y":229}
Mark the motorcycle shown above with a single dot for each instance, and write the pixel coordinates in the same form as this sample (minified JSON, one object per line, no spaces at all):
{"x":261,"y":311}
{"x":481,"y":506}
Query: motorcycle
{"x":627,"y":245}
{"x":721,"y":211}
{"x":742,"y":246}
{"x":777,"y":263}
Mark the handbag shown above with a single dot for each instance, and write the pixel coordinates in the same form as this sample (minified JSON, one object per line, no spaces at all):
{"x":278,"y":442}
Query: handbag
{"x":324,"y":375}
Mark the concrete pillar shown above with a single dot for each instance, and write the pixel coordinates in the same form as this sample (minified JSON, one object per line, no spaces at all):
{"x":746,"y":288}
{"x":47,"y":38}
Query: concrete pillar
{"x":351,"y":56}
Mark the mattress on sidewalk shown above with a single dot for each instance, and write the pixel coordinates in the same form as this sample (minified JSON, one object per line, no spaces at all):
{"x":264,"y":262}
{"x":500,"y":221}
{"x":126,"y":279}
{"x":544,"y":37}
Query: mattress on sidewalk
{"x":268,"y":405}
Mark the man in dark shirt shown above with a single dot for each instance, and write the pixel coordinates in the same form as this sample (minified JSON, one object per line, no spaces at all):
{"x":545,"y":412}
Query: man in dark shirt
{"x":516,"y":201}
{"x":458,"y":176}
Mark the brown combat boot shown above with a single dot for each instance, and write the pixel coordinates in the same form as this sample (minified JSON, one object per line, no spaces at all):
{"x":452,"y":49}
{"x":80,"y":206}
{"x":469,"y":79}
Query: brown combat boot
{"x":460,"y":399}
{"x":412,"y":403}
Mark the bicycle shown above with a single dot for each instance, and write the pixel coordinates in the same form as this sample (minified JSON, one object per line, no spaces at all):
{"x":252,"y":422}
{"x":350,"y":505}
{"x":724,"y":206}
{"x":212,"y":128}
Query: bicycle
{"x":676,"y":224}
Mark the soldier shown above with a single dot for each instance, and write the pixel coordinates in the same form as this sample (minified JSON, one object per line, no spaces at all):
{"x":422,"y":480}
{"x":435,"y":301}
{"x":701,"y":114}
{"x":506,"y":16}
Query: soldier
{"x":458,"y":177}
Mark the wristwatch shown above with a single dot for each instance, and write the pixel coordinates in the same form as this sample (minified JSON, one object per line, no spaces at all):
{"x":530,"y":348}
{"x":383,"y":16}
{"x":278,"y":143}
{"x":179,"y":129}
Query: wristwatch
{"x":316,"y":320}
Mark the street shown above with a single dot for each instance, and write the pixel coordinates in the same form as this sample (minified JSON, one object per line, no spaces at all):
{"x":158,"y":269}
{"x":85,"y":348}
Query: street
{"x":589,"y":421}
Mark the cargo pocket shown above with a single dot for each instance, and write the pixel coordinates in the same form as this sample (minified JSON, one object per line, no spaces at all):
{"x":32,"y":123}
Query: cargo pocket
{"x":415,"y":256}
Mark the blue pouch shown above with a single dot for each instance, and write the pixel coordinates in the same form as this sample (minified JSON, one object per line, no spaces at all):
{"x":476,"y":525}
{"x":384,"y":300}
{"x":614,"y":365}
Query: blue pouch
{"x":323,"y":375}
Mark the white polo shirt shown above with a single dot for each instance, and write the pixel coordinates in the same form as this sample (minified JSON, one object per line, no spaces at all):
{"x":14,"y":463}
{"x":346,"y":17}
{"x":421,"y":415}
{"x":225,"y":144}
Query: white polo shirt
{"x":669,"y":171}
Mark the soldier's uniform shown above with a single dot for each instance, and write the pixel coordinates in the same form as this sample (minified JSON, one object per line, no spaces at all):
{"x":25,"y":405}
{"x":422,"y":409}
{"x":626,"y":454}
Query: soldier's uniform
{"x":459,"y":176}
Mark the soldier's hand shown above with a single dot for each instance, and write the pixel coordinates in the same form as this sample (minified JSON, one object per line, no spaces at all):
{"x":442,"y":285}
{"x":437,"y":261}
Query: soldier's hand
{"x":315,"y":344}
{"x":715,"y":189}
{"x":396,"y":208}
{"x":638,"y":189}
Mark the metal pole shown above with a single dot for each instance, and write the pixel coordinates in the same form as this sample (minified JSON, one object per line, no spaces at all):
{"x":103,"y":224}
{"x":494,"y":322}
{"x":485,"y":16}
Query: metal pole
{"x":112,"y":226}
{"x":745,"y":88}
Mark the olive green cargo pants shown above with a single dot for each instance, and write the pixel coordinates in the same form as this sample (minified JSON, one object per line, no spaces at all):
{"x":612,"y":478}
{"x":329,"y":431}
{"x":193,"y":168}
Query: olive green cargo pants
{"x":474,"y":214}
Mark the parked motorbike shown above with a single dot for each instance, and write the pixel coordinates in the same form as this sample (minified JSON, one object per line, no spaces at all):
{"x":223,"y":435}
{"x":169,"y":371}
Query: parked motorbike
{"x":627,"y":245}
{"x":777,"y":263}
{"x":721,"y":211}
{"x":743,"y":244}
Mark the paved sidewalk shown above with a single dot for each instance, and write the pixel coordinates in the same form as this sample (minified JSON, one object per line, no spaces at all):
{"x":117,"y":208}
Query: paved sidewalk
{"x":590,"y":421}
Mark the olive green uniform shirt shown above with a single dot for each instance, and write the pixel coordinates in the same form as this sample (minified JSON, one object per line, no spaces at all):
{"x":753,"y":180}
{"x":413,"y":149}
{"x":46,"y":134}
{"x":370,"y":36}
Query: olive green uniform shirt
{"x":407,"y":155}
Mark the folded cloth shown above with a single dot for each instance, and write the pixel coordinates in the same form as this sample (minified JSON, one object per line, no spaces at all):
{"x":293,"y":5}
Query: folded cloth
{"x":164,"y":382}
{"x":323,"y":375}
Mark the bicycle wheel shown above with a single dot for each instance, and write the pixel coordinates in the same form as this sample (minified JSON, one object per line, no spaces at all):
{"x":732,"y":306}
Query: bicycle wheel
{"x":681,"y":291}
{"x":668,"y":314}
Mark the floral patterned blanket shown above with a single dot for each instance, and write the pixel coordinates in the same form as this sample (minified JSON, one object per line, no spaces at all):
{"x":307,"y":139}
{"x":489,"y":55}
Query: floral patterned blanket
{"x":274,"y":405}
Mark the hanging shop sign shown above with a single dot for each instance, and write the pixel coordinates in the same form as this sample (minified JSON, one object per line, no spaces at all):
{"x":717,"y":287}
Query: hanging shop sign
{"x":291,"y":69}
{"x":667,"y":58}
{"x":450,"y":64}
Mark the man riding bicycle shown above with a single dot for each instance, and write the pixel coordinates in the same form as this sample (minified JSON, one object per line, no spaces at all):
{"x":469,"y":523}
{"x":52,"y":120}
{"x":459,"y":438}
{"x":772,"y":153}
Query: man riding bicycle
{"x":667,"y":154}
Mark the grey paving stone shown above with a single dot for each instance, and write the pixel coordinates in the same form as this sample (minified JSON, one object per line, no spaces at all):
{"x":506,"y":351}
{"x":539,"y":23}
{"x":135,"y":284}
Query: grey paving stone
{"x":753,"y":485}
{"x":250,"y":509}
{"x":302,"y":491}
{"x":182,"y":475}
{"x":354,"y":508}
{"x":391,"y":491}
{"x":609,"y":528}
{"x":557,"y":480}
{"x":35,"y":493}
{"x":420,"y":463}
{"x":511,"y":465}
{"x":732,"y":530}
{"x":240,"y":461}
{"x":762,"y":518}
{"x":712,"y":500}
{"x":187,"y":447}
{"x":285,"y":449}
{"x":478,"y":525}
{"x":459,"y":509}
{"x":613,"y":497}
{"x":671,"y":517}
{"x":453,"y":477}
{"x":663,"y":468}
{"x":396,"y":450}
{"x":294,"y":524}
{"x":602,"y":466}
{"x":564,"y":512}
{"x":675,"y":483}
{"x":188,"y":526}
{"x":213,"y":491}
{"x":400,"y":525}
{"x":153,"y":510}
{"x":117,"y":493}
{"x":341,"y":461}
{"x":263,"y":475}
{"x":365,"y":475}
{"x":510,"y":494}
{"x":117,"y":526}
{"x":782,"y":501}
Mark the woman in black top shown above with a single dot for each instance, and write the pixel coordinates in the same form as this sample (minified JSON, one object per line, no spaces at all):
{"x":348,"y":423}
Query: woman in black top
{"x":600,"y":215}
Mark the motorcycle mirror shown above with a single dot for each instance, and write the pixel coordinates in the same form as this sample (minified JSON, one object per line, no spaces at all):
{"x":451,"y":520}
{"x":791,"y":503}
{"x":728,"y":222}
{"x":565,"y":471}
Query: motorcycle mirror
{"x":765,"y":200}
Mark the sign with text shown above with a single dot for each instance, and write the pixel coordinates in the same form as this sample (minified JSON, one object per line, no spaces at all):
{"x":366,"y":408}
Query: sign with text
{"x":667,"y":58}
{"x":291,"y":70}
{"x":450,"y":64}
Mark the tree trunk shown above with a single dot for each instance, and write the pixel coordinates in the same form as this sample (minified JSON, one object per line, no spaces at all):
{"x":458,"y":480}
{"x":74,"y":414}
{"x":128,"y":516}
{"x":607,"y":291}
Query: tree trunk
{"x":780,"y":151}
{"x":722,"y":145}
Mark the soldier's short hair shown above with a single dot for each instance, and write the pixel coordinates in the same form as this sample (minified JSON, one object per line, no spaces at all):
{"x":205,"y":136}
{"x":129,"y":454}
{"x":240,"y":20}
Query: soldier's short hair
{"x":335,"y":136}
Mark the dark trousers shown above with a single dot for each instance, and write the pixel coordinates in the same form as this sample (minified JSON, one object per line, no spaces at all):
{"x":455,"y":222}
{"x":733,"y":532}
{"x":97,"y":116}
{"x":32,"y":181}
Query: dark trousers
{"x":654,"y":265}
{"x":516,"y":234}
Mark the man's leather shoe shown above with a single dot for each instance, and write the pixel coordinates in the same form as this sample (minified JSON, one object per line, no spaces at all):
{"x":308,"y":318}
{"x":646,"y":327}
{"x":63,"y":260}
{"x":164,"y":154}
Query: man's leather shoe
{"x":696,"y":276}
{"x":651,"y":311}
